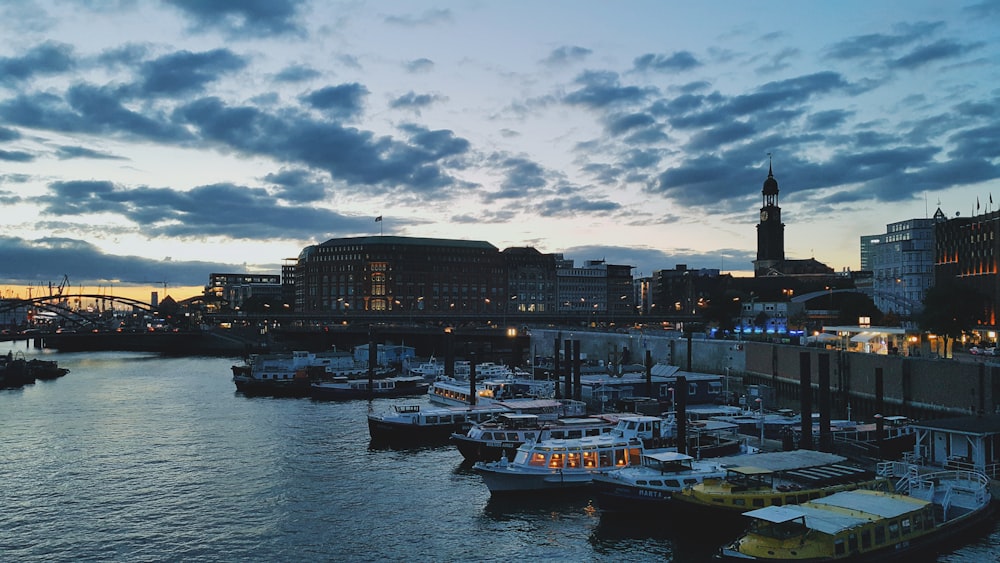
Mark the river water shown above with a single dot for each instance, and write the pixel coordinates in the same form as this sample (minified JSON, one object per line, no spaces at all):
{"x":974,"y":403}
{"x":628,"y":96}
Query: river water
{"x":138,"y":457}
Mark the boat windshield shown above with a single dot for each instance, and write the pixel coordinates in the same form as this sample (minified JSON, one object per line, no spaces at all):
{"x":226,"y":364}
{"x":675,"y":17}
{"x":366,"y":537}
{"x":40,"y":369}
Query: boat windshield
{"x":779,"y":530}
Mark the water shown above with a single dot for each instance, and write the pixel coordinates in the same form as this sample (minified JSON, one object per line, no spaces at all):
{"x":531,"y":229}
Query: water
{"x":136,"y":457}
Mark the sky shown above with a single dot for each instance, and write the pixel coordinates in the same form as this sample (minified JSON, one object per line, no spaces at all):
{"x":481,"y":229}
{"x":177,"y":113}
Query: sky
{"x":147,"y":144}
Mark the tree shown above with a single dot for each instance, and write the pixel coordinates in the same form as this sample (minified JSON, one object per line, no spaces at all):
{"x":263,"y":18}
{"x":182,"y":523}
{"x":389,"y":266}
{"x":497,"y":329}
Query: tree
{"x":950,"y":308}
{"x":852,"y":306}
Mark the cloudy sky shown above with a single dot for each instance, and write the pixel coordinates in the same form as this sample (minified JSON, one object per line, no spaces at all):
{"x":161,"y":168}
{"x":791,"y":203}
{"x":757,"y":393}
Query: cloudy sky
{"x":160,"y":141}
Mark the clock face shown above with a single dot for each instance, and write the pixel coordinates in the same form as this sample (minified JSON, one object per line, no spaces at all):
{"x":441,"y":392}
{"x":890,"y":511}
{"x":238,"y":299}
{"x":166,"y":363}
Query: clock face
{"x":763,"y":215}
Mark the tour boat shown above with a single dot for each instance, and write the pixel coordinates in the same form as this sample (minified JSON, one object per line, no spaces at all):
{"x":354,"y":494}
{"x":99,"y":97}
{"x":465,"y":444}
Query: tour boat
{"x":456,"y":392}
{"x":795,"y":477}
{"x":651,"y":484}
{"x":343,"y":388}
{"x":552,"y":465}
{"x":501,"y":436}
{"x":292,"y":374}
{"x":416,"y":424}
{"x":926,"y":512}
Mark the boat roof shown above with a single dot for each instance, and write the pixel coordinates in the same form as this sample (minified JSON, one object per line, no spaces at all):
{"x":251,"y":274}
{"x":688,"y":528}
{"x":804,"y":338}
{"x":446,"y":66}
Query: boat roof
{"x":841,"y":511}
{"x":667,"y":457}
{"x":783,"y":461}
{"x":976,"y":425}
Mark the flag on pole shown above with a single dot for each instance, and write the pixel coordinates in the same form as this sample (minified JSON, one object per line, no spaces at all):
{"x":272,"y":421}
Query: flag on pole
{"x":378,"y":219}
{"x":977,"y":203}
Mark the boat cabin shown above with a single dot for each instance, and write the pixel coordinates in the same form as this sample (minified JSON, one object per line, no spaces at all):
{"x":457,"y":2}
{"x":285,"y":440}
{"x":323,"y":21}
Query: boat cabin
{"x":587,"y":453}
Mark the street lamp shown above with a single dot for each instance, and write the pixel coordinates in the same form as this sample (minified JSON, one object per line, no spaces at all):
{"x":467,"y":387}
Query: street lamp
{"x":760,"y":402}
{"x":672,"y":405}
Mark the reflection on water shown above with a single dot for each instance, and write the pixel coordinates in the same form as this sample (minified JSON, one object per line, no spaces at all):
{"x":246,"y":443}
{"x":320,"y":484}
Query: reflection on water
{"x":136,"y":457}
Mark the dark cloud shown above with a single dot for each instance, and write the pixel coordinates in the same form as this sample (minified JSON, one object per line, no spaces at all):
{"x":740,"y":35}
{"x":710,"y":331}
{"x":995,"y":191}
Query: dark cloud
{"x":602,"y":89}
{"x":522,"y":177}
{"x":296,"y":73}
{"x":184,"y":72}
{"x":216,"y":210}
{"x":66,"y":152}
{"x":297,"y":186}
{"x":45,"y":59}
{"x":621,"y":124}
{"x":47,"y":260}
{"x":829,"y":119}
{"x":414,"y":101}
{"x":977,"y":143}
{"x":576,"y":205}
{"x":344,"y":101}
{"x":128,"y":55}
{"x":419,"y":65}
{"x":937,"y":51}
{"x":349,"y":155}
{"x":876,"y":45}
{"x":244,"y":18}
{"x":675,"y":62}
{"x":8,"y":134}
{"x":16,"y":156}
{"x":87,"y":109}
{"x":567,"y":54}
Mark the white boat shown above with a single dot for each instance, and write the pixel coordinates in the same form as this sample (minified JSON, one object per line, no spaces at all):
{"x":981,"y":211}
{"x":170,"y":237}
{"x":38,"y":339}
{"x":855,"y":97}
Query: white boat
{"x":501,"y":436}
{"x":456,"y":392}
{"x":651,"y":485}
{"x":408,"y":425}
{"x":925,"y":512}
{"x":553,"y":465}
{"x":291,"y":374}
{"x":429,"y":370}
{"x":343,"y":388}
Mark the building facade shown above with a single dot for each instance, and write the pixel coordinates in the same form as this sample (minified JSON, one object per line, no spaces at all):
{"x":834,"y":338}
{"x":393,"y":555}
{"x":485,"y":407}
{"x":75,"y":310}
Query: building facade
{"x":235,"y":289}
{"x":966,"y":250}
{"x":902,"y":263}
{"x":400,"y":274}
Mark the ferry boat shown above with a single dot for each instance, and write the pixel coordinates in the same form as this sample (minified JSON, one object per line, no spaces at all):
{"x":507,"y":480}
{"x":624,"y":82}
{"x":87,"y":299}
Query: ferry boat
{"x":553,"y":465}
{"x":455,"y":392}
{"x":796,"y":477}
{"x":415,"y":424}
{"x":650,"y":485}
{"x":501,"y":436}
{"x":343,"y":388}
{"x":290,"y":375}
{"x":925,"y":513}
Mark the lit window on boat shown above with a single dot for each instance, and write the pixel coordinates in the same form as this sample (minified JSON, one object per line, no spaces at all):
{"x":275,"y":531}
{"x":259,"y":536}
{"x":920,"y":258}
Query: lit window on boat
{"x":573,"y":460}
{"x":513,"y":436}
{"x":621,"y":457}
{"x":556,"y":461}
{"x":590,"y":459}
{"x":537,"y":459}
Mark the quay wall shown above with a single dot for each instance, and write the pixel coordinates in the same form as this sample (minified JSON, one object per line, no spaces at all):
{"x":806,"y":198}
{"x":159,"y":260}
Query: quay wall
{"x":916,"y":387}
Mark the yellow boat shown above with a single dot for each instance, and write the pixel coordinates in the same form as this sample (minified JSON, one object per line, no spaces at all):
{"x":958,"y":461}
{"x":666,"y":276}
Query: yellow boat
{"x":750,"y":487}
{"x":926,"y":514}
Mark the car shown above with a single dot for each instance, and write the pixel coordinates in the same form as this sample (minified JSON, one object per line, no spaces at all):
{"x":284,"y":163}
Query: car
{"x":975,"y":351}
{"x":990,"y":351}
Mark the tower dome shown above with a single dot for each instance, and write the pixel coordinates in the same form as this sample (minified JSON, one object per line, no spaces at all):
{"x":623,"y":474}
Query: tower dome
{"x":770,"y":185}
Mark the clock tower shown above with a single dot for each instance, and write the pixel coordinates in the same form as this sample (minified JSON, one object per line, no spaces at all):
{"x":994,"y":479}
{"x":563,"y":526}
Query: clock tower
{"x":770,"y":230}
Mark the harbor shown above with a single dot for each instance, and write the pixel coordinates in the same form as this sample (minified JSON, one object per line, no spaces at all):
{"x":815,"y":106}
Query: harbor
{"x":140,"y":457}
